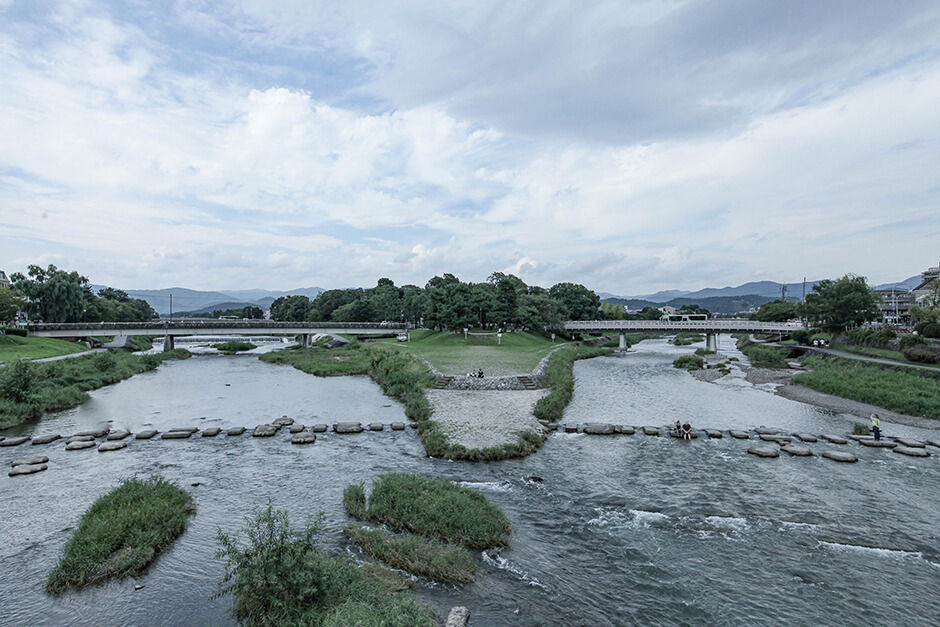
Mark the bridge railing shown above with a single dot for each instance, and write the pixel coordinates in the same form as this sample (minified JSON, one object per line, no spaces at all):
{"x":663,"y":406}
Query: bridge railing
{"x":703,"y":325}
{"x":209,"y":324}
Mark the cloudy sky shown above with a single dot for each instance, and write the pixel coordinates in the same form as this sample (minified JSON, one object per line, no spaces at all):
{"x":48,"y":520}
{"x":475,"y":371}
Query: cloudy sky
{"x":629,"y":146}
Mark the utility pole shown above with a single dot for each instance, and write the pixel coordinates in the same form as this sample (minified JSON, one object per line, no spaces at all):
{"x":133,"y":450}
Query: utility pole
{"x":171,"y":304}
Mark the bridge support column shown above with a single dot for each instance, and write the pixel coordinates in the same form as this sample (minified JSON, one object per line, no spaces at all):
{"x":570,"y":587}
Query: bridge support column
{"x":711,"y":342}
{"x":623,"y":342}
{"x":305,"y":340}
{"x":168,"y":344}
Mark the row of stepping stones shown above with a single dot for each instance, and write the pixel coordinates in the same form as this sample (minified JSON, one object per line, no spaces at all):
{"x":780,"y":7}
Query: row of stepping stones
{"x":905,"y":446}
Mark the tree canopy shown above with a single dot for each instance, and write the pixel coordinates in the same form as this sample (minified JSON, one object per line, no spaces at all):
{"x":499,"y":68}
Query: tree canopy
{"x":841,"y":304}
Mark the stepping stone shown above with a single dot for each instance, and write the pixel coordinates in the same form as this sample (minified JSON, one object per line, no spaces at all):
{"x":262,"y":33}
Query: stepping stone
{"x":693,"y":435}
{"x":551,"y":427}
{"x":190,"y":430}
{"x":175,"y":435}
{"x":95,"y":433}
{"x":840,"y":456}
{"x":713,"y":433}
{"x":571,"y":428}
{"x":30,"y":461}
{"x":626,"y":430}
{"x":319,"y":428}
{"x":859,"y":438}
{"x":111,"y":446}
{"x":45,"y":439}
{"x":413,"y":425}
{"x":834,"y":439}
{"x":796,"y":449}
{"x":80,"y":438}
{"x":911,"y":451}
{"x":79,"y":445}
{"x":934,"y":443}
{"x":878,"y":443}
{"x":118,"y":435}
{"x":400,"y":426}
{"x":651,"y":430}
{"x":347,"y":427}
{"x":211,"y":432}
{"x":297,"y":428}
{"x":283,"y":421}
{"x":739,"y":435}
{"x":376,"y":426}
{"x":236,"y":431}
{"x":304,"y":437}
{"x":264,"y":431}
{"x":27,"y":469}
{"x":764,"y":451}
{"x":766,"y":431}
{"x":806,"y":437}
{"x":778,"y":438}
{"x":146,"y":434}
{"x":598,"y":428}
{"x":14,"y":441}
{"x":910,"y":443}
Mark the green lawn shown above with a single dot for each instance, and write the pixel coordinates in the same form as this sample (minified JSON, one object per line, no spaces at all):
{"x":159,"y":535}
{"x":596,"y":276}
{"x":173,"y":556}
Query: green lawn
{"x":14,"y":347}
{"x":882,"y":353}
{"x":516,"y":353}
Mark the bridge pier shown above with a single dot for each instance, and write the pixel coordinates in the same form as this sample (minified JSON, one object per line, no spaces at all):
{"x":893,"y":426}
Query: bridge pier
{"x":305,"y":340}
{"x":168,"y":344}
{"x":623,"y":342}
{"x":711,"y":342}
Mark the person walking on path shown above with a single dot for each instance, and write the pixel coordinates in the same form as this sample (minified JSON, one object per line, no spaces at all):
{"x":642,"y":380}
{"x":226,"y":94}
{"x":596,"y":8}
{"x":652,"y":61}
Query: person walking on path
{"x":876,"y":426}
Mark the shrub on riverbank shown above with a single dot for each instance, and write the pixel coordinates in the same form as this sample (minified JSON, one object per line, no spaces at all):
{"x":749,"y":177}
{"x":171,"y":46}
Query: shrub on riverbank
{"x":234,"y":346}
{"x":122,"y":533}
{"x":282,"y":577}
{"x":689,"y":362}
{"x":902,"y":390}
{"x":561,"y":380}
{"x":685,"y":339}
{"x":27,"y":388}
{"x":761,"y":355}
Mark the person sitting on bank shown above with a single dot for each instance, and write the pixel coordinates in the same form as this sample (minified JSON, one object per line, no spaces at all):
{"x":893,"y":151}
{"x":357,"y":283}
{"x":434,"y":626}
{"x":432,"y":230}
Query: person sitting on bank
{"x":678,"y":429}
{"x":687,"y":431}
{"x":480,"y":374}
{"x":876,"y":426}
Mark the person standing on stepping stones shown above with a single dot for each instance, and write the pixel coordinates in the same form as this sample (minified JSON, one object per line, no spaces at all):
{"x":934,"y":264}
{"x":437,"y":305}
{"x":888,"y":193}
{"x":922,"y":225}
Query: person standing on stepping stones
{"x":876,"y":426}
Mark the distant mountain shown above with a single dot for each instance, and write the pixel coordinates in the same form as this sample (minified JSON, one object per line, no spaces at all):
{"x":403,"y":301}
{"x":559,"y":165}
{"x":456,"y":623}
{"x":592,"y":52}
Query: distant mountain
{"x":766,"y":289}
{"x":664,"y":296}
{"x":186,"y":300}
{"x":906,"y":285}
{"x":258,"y":295}
{"x":714,"y":304}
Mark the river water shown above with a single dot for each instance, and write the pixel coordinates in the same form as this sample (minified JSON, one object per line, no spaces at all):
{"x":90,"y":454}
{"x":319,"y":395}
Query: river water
{"x":617,"y":530}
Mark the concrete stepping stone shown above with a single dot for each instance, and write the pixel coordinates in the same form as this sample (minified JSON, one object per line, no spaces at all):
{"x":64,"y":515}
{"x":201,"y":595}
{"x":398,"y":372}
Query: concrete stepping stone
{"x":30,"y":461}
{"x":672,"y":433}
{"x":911,"y":451}
{"x":304,"y":437}
{"x":833,"y":439}
{"x":713,"y":433}
{"x":376,"y":426}
{"x":840,"y":456}
{"x":934,"y":443}
{"x":146,"y":434}
{"x":264,"y":431}
{"x":739,"y":435}
{"x":95,"y":433}
{"x":79,"y":445}
{"x":111,"y":445}
{"x":191,"y":430}
{"x":14,"y":441}
{"x":413,"y":425}
{"x":211,"y":432}
{"x":598,"y":428}
{"x":625,"y":429}
{"x":571,"y":428}
{"x":651,"y":430}
{"x":46,"y":439}
{"x":320,"y":428}
{"x":236,"y":431}
{"x":796,"y":449}
{"x":878,"y":443}
{"x":400,"y":426}
{"x":776,"y":437}
{"x":283,"y":421}
{"x":764,"y":451}
{"x":297,"y":428}
{"x":766,"y":431}
{"x":910,"y":443}
{"x":175,"y":435}
{"x":347,"y":427}
{"x":27,"y":469}
{"x":118,"y":435}
{"x":806,"y":437}
{"x":80,"y":438}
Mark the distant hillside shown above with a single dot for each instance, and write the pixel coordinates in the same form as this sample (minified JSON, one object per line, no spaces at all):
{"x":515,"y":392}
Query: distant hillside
{"x":766,"y":289}
{"x":906,"y":285}
{"x":714,"y":304}
{"x":186,"y":300}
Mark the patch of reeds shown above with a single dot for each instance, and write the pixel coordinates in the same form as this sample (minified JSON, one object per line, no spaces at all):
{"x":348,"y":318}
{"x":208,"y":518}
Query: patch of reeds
{"x":685,"y":339}
{"x":122,"y":532}
{"x":689,"y":362}
{"x":761,"y":355}
{"x":416,"y":555}
{"x":233,"y":346}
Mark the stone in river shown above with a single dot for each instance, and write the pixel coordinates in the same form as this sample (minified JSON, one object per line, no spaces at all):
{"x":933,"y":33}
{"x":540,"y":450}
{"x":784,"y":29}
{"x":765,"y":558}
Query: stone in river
{"x":376,"y":426}
{"x":766,"y":431}
{"x":806,"y":437}
{"x":236,"y":431}
{"x":692,"y":435}
{"x":878,"y":443}
{"x":188,"y":429}
{"x":571,"y":428}
{"x":834,"y":439}
{"x":625,"y":429}
{"x":27,"y":469}
{"x":211,"y":432}
{"x":458,"y":617}
{"x":775,"y":437}
{"x":175,"y":435}
{"x":840,"y":456}
{"x":45,"y":439}
{"x":934,"y":443}
{"x":651,"y":430}
{"x":264,"y":431}
{"x":598,"y":428}
{"x":297,"y":428}
{"x":146,"y":434}
{"x":80,"y":438}
{"x":79,"y":444}
{"x":910,"y":443}
{"x":347,"y":427}
{"x":911,"y":451}
{"x":283,"y":421}
{"x":111,"y":445}
{"x":319,"y":428}
{"x":304,"y":437}
{"x":713,"y":433}
{"x":398,"y":426}
{"x":30,"y":461}
{"x":14,"y":441}
{"x":739,"y":435}
{"x":796,"y":449}
{"x":118,"y":435}
{"x":95,"y":433}
{"x":764,"y":451}
{"x":413,"y":425}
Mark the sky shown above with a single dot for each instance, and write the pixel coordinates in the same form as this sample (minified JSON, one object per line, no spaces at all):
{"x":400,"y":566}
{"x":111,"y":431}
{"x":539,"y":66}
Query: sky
{"x":627,"y":146}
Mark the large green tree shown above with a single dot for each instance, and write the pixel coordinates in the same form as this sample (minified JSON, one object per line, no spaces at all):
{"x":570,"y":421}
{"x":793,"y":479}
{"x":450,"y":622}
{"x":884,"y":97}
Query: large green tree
{"x":777,"y":311}
{"x":841,"y":304}
{"x":292,"y":308}
{"x":54,"y":295}
{"x":12,"y":303}
{"x":576,"y":302}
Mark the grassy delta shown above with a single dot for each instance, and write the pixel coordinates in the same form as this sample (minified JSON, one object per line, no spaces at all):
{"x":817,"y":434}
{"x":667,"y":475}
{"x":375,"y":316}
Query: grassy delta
{"x":14,"y":347}
{"x":689,"y":362}
{"x":561,"y":379}
{"x":685,"y":339}
{"x":122,"y":533}
{"x":27,"y":389}
{"x":283,"y":577}
{"x":761,"y":355}
{"x":440,"y":521}
{"x":907,"y":391}
{"x":234,"y":346}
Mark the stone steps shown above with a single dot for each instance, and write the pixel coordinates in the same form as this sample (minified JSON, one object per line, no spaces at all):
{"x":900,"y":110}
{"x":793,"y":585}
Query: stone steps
{"x":441,"y":381}
{"x":527,"y":382}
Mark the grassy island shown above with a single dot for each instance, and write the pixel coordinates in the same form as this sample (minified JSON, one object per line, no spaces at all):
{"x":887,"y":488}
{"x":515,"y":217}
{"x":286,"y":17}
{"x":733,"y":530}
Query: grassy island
{"x":234,"y":346}
{"x":440,"y":522}
{"x":122,"y":533}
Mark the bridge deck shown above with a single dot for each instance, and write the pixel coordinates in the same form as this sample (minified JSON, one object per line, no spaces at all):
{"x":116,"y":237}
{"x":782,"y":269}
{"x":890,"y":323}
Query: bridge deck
{"x":703,"y":326}
{"x":209,"y":327}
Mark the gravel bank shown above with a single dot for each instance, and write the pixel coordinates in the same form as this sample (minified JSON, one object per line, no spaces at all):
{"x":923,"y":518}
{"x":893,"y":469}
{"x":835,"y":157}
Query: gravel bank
{"x":479,"y":419}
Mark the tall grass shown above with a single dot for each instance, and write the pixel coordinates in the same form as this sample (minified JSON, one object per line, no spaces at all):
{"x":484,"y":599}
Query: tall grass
{"x":233,"y":346}
{"x":689,"y":362}
{"x":417,"y":555}
{"x":122,"y":533}
{"x":761,"y":355}
{"x":906,"y":391}
{"x":561,"y":379}
{"x":14,"y":347}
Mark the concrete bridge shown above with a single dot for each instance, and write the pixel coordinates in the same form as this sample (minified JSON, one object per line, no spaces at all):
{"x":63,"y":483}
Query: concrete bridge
{"x":711,"y":328}
{"x":169,"y":329}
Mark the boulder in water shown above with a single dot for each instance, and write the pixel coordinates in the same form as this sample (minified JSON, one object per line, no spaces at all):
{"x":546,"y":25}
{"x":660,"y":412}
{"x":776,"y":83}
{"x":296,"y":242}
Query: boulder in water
{"x":457,"y":617}
{"x":146,"y":434}
{"x":692,"y":435}
{"x":739,"y":435}
{"x":833,"y":439}
{"x":347,"y":427}
{"x":304,"y":437}
{"x":598,"y":428}
{"x":79,"y":444}
{"x":211,"y":432}
{"x":910,"y":443}
{"x":27,"y":469}
{"x":319,"y":428}
{"x":713,"y":433}
{"x":236,"y":431}
{"x":45,"y":439}
{"x":297,"y":428}
{"x":764,"y":451}
{"x":398,"y":426}
{"x":911,"y":451}
{"x":651,"y":430}
{"x":264,"y":431}
{"x":14,"y":441}
{"x":283,"y":421}
{"x":625,"y":429}
{"x":806,"y":437}
{"x":934,"y":443}
{"x":376,"y":426}
{"x":796,"y":449}
{"x":30,"y":461}
{"x":111,"y":446}
{"x":840,"y":456}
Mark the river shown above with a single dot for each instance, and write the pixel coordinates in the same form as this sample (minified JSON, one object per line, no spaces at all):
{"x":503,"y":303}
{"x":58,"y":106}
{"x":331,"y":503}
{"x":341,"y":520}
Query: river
{"x":616,"y":530}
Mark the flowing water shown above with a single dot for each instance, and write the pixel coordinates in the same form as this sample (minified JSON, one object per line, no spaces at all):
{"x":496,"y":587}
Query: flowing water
{"x":616,"y":530}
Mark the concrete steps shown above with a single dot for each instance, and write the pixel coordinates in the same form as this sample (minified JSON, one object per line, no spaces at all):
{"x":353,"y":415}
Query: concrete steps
{"x":441,"y":381}
{"x":527,"y":382}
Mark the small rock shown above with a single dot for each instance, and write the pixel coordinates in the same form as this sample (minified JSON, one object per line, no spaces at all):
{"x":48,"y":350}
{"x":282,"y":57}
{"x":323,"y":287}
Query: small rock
{"x":806,"y":437}
{"x":713,"y":433}
{"x":236,"y":431}
{"x":764,"y":451}
{"x":398,"y":426}
{"x":146,"y":434}
{"x":27,"y":469}
{"x":651,"y":430}
{"x":138,"y":586}
{"x":739,"y":435}
{"x":776,"y":437}
{"x":878,"y":443}
{"x":79,"y":444}
{"x":118,"y":435}
{"x":111,"y":446}
{"x":840,"y":456}
{"x":296,"y":428}
{"x":175,"y":435}
{"x":211,"y":432}
{"x":319,"y":428}
{"x":458,"y":617}
{"x":45,"y":439}
{"x":376,"y":426}
{"x":30,"y":461}
{"x":795,"y":449}
{"x":264,"y":431}
{"x":534,"y":478}
{"x":304,"y":437}
{"x":910,"y":443}
{"x":413,"y":425}
{"x":834,"y":439}
{"x":598,"y":428}
{"x":347,"y":427}
{"x":911,"y":451}
{"x":14,"y":441}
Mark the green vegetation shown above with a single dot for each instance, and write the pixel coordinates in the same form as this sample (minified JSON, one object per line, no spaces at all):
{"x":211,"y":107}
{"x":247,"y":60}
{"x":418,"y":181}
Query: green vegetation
{"x":561,"y":379}
{"x":14,"y":347}
{"x":777,"y":311}
{"x":703,"y":351}
{"x":902,"y":390}
{"x":27,"y":389}
{"x":871,"y":337}
{"x":282,"y":577}
{"x":140,"y":343}
{"x":122,"y":533}
{"x":416,"y":555}
{"x":234,"y":346}
{"x":860,"y":429}
{"x":685,"y":339}
{"x":841,"y":304}
{"x":762,"y":355}
{"x":689,"y":362}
